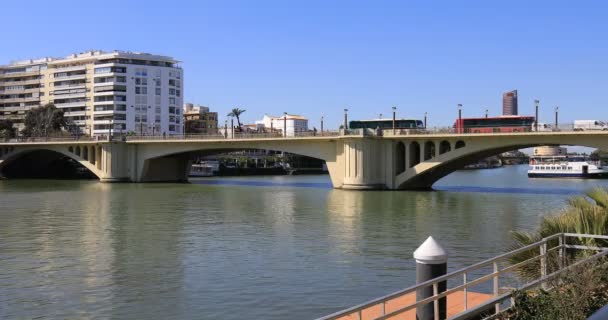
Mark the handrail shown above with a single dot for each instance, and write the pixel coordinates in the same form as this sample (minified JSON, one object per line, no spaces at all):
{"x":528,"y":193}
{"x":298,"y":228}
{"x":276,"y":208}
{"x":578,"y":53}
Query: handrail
{"x":542,"y":244}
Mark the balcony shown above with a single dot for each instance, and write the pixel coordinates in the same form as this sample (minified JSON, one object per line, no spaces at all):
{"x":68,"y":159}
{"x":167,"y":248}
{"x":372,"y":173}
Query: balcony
{"x":28,"y":99}
{"x":69,"y":69}
{"x":71,"y":86}
{"x":20,"y":91}
{"x":70,"y":95}
{"x":71,"y":104}
{"x":19,"y":83}
{"x":72,"y":77}
{"x":75,"y":113}
{"x":19,"y":74}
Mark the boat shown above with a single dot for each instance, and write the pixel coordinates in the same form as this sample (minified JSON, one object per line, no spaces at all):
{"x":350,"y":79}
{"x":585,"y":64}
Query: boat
{"x":203,"y":169}
{"x":566,"y":167}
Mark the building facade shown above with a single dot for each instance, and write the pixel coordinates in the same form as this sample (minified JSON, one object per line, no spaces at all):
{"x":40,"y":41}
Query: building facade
{"x":550,"y":151}
{"x":199,"y":120}
{"x":294,"y":124}
{"x":98,"y":91}
{"x":509,"y":103}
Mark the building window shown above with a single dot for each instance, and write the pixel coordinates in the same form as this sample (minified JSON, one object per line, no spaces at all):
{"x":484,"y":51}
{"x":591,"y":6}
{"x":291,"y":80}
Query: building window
{"x":158,"y":91}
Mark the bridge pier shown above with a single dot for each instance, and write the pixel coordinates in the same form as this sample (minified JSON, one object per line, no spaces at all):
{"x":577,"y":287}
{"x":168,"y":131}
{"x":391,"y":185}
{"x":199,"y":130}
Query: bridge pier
{"x":367,"y":163}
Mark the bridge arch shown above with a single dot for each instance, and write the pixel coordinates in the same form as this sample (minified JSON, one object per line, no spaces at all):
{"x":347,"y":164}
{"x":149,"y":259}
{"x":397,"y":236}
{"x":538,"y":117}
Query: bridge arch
{"x":171,"y":162}
{"x":400,"y":153}
{"x":51,"y":154}
{"x":444,"y":146}
{"x":425,"y":174}
{"x":414,"y":153}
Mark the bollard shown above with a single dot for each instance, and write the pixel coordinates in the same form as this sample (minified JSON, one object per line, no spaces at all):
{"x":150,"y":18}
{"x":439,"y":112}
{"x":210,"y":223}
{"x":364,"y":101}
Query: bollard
{"x":431,"y":262}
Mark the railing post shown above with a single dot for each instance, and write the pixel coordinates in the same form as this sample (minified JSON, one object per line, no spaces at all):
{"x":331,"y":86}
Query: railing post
{"x":562,"y":244}
{"x":465,"y":291}
{"x":497,"y":305}
{"x":431,"y":262}
{"x":543,"y":262}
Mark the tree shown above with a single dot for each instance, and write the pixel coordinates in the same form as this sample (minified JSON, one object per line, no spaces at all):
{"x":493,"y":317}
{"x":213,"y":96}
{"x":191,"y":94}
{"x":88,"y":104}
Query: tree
{"x":7,"y":130}
{"x":43,"y":121}
{"x":584,"y":214}
{"x":236,"y":112}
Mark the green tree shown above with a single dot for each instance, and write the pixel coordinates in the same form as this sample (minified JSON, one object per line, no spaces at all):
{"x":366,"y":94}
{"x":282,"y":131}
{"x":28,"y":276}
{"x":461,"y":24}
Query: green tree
{"x":236,"y":112}
{"x":584,"y":214}
{"x":43,"y":121}
{"x":7,"y":130}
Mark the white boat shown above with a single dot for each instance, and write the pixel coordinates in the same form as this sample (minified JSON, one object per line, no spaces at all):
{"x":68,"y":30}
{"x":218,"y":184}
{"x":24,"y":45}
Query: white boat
{"x":204,"y":169}
{"x":564,"y":167}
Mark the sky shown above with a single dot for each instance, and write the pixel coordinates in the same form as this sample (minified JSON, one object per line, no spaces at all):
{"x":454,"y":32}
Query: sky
{"x":316,"y":58}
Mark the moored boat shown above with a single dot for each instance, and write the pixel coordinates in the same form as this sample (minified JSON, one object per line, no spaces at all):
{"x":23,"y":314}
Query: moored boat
{"x":564,"y":167}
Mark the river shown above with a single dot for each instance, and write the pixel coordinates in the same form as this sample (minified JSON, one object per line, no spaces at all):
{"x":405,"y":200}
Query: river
{"x":245,"y":247}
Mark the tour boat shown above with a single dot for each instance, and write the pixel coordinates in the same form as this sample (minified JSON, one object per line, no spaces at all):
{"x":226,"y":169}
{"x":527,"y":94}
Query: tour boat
{"x":204,"y":169}
{"x":563,"y":167}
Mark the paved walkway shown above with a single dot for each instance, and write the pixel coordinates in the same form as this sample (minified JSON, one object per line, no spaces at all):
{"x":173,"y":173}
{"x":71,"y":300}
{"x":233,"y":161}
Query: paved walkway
{"x":455,"y":305}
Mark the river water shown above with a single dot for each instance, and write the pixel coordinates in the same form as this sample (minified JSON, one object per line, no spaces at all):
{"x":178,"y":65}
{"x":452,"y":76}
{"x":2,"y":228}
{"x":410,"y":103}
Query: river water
{"x":255,"y":248}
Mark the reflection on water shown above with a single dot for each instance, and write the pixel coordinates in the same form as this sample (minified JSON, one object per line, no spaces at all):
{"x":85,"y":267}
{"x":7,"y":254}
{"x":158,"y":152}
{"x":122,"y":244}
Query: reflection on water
{"x":271,"y":247}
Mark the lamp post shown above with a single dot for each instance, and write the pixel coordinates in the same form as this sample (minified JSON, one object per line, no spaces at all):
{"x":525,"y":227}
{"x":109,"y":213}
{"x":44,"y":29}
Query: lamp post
{"x":425,"y":115}
{"x":345,"y":119}
{"x":460,"y":124}
{"x":486,"y":113}
{"x":284,"y":124}
{"x":232,"y":126}
{"x":226,"y":129}
{"x":394,"y":115}
{"x":321,"y":124}
{"x":536,"y":115}
{"x":556,"y":111}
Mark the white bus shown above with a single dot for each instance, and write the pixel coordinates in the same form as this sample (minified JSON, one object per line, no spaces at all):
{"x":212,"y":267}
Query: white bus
{"x":583,"y":125}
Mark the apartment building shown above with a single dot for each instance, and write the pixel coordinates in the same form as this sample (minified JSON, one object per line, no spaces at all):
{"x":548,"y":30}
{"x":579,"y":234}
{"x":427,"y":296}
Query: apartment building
{"x":99,"y":91}
{"x":199,"y":120}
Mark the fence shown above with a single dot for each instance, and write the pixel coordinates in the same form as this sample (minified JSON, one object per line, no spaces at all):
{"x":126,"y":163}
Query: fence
{"x":556,"y":247}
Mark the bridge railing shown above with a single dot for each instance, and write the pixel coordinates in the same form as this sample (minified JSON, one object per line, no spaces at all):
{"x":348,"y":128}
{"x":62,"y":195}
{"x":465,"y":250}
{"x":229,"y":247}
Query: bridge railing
{"x":229,"y":136}
{"x":550,"y":255}
{"x":54,"y":139}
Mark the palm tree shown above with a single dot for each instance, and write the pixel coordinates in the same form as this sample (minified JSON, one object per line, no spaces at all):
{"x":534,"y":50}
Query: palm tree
{"x":584,"y":214}
{"x":236,"y":112}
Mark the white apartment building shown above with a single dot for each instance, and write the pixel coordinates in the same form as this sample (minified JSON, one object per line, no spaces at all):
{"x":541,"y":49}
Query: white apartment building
{"x":98,"y":91}
{"x":295,"y":124}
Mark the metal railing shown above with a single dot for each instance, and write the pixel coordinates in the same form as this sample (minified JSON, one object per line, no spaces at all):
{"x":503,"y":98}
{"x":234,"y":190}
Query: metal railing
{"x":307,"y":134}
{"x":557,"y":243}
{"x":230,"y":136}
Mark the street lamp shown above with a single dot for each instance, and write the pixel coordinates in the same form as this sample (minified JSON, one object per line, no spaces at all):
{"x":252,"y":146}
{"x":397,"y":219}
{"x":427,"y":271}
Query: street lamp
{"x":425,"y":114}
{"x":321,"y":124}
{"x":460,"y":124}
{"x":284,"y":124}
{"x":486,"y":113}
{"x":556,"y":111}
{"x":394,"y":115}
{"x":226,"y":129}
{"x":536,"y":101}
{"x":232,"y":126}
{"x":345,"y":119}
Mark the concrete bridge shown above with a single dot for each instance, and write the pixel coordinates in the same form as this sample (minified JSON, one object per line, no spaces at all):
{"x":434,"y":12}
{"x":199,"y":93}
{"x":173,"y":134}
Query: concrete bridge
{"x":355,"y":161}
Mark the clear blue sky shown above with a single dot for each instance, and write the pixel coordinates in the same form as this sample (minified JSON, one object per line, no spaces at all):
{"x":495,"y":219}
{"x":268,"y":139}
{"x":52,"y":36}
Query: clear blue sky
{"x":317,"y":57}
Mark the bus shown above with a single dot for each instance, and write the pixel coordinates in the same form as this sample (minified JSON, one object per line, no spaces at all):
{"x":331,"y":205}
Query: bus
{"x":494,"y":124}
{"x":386,"y":124}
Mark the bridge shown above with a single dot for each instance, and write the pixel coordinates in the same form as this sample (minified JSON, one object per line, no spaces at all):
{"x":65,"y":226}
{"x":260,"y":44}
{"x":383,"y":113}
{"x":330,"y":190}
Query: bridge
{"x":356,"y":159}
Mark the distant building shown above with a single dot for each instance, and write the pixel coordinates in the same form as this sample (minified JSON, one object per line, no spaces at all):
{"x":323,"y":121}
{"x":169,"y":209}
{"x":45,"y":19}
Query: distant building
{"x":199,"y":120}
{"x":550,"y":151}
{"x":509,"y":103}
{"x":98,"y":91}
{"x":294,"y":124}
